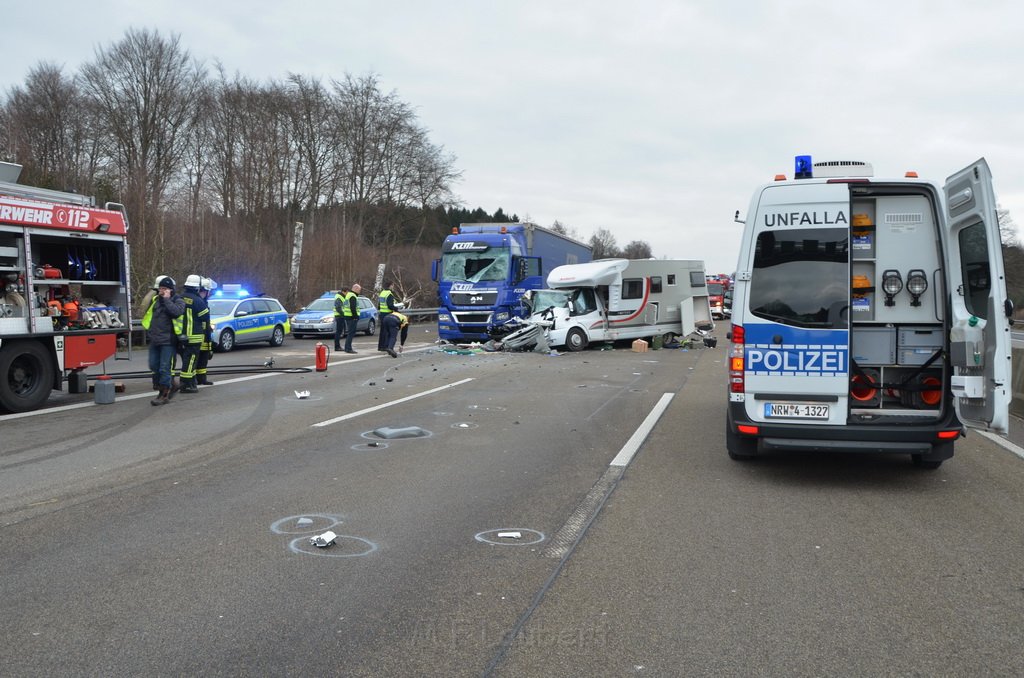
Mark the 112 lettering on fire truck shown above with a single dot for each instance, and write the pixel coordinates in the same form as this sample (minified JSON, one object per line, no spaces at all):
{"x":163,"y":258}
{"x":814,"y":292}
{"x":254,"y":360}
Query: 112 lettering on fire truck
{"x":64,"y":276}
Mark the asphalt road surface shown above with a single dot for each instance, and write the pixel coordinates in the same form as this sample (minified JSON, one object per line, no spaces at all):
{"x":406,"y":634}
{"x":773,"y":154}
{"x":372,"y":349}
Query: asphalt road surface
{"x":570,"y":515}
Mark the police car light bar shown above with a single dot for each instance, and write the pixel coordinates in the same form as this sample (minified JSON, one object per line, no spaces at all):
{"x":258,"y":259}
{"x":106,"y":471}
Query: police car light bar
{"x":231,"y":290}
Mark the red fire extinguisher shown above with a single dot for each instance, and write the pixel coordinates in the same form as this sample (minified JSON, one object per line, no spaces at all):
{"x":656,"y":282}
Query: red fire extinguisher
{"x":322,"y":354}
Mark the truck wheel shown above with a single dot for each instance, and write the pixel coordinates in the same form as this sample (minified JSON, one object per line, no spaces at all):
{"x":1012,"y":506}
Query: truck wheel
{"x":277,"y":336}
{"x":26,"y":376}
{"x":740,"y":448}
{"x":371,"y":327}
{"x":227,"y":340}
{"x":575,"y":339}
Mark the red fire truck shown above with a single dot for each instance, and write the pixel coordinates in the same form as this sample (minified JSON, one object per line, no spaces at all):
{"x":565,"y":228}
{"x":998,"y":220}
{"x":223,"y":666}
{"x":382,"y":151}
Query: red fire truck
{"x":64,"y":289}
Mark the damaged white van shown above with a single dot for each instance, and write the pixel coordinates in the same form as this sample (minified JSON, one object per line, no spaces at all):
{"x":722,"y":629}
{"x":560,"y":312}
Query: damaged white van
{"x":868,"y":315}
{"x":617,"y":299}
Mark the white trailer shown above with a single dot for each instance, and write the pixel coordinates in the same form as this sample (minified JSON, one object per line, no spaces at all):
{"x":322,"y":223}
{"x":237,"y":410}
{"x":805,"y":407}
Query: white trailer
{"x":613,"y":299}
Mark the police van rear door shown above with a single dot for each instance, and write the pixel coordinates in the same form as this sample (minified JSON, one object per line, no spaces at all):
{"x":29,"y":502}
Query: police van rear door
{"x":796,"y":324}
{"x":980,"y":331}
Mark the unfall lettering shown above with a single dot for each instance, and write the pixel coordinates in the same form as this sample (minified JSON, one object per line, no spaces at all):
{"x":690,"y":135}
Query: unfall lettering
{"x":825,"y":218}
{"x":25,"y":215}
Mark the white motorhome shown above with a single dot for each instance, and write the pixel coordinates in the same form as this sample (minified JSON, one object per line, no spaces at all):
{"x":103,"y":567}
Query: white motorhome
{"x":612,"y":299}
{"x":868,"y":315}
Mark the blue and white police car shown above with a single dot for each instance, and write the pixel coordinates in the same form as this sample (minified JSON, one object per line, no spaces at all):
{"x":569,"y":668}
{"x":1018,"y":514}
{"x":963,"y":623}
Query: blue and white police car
{"x":238,"y":317}
{"x":317,"y":319}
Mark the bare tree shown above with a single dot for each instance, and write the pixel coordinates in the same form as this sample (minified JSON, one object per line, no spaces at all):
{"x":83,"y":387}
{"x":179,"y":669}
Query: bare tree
{"x":603,"y":244}
{"x":1007,"y":228}
{"x":144,"y":89}
{"x":48,"y":131}
{"x":637,"y":249}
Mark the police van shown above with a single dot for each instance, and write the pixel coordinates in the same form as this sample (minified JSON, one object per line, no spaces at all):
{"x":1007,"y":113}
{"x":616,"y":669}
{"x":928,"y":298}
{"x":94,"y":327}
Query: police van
{"x":868,"y":314}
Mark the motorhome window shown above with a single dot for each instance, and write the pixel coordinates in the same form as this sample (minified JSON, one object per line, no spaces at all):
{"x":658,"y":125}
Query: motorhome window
{"x":670,"y":279}
{"x":475,"y":266}
{"x":697,"y":279}
{"x":802,"y":277}
{"x":655,"y":284}
{"x":542,"y":300}
{"x":633,"y":288}
{"x":976,"y":273}
{"x":584,"y":302}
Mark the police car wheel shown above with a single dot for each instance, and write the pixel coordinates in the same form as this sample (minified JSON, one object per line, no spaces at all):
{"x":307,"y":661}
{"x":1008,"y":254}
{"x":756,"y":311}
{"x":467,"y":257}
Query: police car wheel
{"x":277,"y":336}
{"x":371,"y":327}
{"x":227,"y":340}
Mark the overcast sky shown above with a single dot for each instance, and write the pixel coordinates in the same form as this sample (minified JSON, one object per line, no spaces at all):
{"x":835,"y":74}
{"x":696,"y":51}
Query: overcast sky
{"x":653,"y":119}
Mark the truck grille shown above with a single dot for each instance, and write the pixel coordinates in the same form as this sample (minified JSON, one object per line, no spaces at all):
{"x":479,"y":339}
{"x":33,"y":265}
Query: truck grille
{"x":471,"y":318}
{"x":474,"y":298}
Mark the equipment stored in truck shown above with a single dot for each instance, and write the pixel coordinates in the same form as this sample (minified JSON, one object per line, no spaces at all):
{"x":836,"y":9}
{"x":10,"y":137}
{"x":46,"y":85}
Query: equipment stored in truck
{"x":868,"y":315}
{"x":64,"y":270}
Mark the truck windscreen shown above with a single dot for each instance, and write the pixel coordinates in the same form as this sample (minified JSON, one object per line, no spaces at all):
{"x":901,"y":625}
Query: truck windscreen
{"x":475,"y":266}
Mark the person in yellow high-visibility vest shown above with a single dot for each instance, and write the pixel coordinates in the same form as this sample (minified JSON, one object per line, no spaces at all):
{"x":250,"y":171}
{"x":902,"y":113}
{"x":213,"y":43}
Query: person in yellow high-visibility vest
{"x":340,"y":301}
{"x":351,"y":315}
{"x":385,"y":305}
{"x":162,"y":320}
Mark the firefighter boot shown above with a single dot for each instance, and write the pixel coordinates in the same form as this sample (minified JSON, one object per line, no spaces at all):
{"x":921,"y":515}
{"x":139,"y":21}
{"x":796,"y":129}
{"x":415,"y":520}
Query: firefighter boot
{"x":161,"y":398}
{"x":203,"y":381}
{"x":189,"y":386}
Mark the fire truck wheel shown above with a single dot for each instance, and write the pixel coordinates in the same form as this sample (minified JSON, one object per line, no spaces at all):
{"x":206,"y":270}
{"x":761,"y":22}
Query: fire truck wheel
{"x":277,"y":336}
{"x":26,"y":376}
{"x":575,"y":339}
{"x":227,"y":340}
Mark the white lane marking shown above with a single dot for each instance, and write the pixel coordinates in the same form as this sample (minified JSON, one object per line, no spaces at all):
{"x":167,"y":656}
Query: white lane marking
{"x":353,"y":415}
{"x":1004,"y":443}
{"x":138,"y":396}
{"x":633,"y":444}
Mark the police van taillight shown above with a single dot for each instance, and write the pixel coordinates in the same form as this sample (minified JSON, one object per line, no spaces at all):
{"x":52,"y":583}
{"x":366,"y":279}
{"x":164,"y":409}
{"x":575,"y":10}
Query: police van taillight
{"x":736,"y":361}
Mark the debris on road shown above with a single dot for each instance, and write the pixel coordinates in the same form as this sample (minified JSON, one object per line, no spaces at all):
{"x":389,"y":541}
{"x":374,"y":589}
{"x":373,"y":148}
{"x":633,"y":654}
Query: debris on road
{"x":323,"y":540}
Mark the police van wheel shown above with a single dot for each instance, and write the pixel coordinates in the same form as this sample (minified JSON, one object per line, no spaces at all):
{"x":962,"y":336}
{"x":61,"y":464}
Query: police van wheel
{"x":575,"y":339}
{"x":227,"y":340}
{"x":739,"y":447}
{"x":929,"y":464}
{"x":277,"y":336}
{"x":371,"y":327}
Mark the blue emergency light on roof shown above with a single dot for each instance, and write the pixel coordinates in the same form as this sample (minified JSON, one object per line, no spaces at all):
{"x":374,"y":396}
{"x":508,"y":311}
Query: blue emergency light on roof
{"x":231,"y":291}
{"x":803,"y":168}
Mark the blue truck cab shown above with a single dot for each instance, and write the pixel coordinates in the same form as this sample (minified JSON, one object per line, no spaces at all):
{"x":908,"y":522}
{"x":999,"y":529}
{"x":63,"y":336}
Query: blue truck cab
{"x":485,"y":268}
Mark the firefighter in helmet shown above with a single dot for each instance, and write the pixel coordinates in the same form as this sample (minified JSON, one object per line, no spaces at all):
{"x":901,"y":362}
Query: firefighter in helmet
{"x":194,"y":330}
{"x":206,"y":288}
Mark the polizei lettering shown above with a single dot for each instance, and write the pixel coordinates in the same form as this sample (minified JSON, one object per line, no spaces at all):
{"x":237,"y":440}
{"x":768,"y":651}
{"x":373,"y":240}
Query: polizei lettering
{"x":824,"y":218}
{"x":817,"y":361}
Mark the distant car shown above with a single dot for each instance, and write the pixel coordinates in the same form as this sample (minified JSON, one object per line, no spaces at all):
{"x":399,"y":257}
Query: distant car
{"x":240,"y":318}
{"x":317,"y":319}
